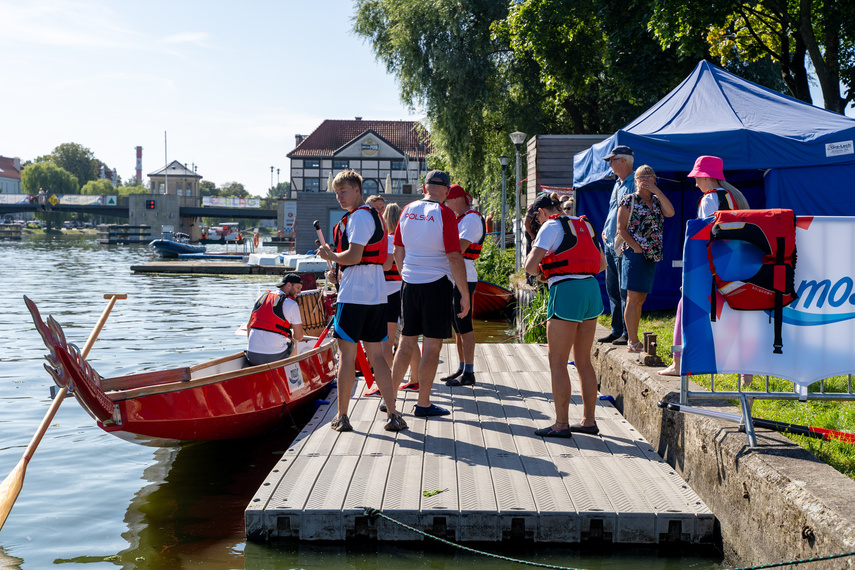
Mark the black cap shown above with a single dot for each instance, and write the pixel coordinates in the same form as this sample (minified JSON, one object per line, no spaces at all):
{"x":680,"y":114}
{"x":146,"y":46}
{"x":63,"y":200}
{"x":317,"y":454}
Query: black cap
{"x":542,"y":201}
{"x":437,"y":177}
{"x":620,"y":149}
{"x":289,"y":278}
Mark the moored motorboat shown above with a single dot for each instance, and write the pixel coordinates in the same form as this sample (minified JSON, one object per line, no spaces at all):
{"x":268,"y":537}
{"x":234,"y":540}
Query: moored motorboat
{"x":172,"y":244}
{"x":490,"y":300}
{"x":225,"y":398}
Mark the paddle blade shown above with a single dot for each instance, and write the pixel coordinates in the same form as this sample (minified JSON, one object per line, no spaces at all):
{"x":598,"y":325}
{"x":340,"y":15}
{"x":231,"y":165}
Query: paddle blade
{"x":10,"y":488}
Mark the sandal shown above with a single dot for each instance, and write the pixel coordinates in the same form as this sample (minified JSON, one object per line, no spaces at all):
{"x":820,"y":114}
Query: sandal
{"x":636,"y":347}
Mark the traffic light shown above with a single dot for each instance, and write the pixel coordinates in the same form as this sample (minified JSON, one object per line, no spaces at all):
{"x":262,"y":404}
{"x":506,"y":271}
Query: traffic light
{"x":149,"y":204}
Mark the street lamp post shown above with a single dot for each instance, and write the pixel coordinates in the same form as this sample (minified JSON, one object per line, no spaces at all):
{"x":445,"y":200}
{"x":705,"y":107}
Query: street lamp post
{"x":517,"y":138}
{"x":271,"y":177}
{"x":277,"y":179}
{"x":504,"y":160}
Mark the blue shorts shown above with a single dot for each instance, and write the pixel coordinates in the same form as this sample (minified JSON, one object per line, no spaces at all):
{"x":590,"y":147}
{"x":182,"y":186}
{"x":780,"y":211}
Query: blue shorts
{"x":575,"y":300}
{"x":636,"y":272}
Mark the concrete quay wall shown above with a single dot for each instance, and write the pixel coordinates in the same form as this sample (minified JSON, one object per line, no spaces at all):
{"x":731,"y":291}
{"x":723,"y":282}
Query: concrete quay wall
{"x":774,"y":503}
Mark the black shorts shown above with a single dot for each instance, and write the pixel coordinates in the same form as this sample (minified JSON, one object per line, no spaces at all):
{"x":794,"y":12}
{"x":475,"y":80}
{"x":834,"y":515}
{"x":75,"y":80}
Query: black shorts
{"x":360,"y":322}
{"x":393,"y":307}
{"x":464,"y":325}
{"x":426,"y":309}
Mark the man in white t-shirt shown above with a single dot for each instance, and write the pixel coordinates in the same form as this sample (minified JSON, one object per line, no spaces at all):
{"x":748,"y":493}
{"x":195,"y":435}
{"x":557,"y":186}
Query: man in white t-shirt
{"x":360,"y":250}
{"x":471,"y":228}
{"x":275,"y":324}
{"x":427,"y":249}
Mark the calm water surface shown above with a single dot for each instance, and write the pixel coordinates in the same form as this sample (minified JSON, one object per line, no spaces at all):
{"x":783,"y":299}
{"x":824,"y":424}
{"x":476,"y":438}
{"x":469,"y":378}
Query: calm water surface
{"x":92,"y":500}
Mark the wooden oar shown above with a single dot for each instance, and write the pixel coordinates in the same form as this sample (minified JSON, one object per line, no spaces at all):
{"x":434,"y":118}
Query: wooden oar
{"x":11,"y":486}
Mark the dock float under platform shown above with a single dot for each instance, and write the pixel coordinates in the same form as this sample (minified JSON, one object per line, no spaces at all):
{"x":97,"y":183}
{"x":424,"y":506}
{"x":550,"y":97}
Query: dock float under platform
{"x":479,"y":474}
{"x":212,"y":268}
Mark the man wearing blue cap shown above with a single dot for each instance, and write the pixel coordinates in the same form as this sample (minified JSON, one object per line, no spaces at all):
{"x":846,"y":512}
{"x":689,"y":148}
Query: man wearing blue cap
{"x":620,"y":161}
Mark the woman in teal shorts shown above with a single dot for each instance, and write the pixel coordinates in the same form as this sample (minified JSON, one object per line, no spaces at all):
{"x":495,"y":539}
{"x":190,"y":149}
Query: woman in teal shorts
{"x":568,"y":256}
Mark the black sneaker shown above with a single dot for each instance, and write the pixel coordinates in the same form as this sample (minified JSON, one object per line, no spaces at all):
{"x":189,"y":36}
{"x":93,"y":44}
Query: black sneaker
{"x":590,"y":430}
{"x":395,"y":423}
{"x":432,"y":410}
{"x":610,"y":338}
{"x":341,"y":423}
{"x":451,"y":377}
{"x":621,"y":340}
{"x":468,"y":379}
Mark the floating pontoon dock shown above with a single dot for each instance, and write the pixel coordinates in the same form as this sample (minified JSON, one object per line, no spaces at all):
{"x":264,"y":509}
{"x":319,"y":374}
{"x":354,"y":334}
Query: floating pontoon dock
{"x":479,"y":474}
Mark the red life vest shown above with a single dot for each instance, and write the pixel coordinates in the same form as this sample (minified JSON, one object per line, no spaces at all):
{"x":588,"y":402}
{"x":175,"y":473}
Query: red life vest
{"x":473,"y":252}
{"x":393,"y":274}
{"x":577,"y":254}
{"x":773,"y":286}
{"x":376,"y":249}
{"x":267,"y":314}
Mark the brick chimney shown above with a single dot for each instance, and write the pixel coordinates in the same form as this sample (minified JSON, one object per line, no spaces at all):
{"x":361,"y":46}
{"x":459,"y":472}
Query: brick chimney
{"x":16,"y":162}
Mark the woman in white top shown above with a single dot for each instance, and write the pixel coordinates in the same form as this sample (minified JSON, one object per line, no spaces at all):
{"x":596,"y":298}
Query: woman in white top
{"x":566,"y":252}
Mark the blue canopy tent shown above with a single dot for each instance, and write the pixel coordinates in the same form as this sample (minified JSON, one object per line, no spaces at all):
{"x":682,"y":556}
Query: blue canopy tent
{"x":781,"y":152}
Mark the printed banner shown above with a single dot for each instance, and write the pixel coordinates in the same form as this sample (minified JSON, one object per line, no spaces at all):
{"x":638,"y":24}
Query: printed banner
{"x":290,"y":216}
{"x":231,"y":202}
{"x":818,"y":327}
{"x":80,"y":200}
{"x":16,"y":198}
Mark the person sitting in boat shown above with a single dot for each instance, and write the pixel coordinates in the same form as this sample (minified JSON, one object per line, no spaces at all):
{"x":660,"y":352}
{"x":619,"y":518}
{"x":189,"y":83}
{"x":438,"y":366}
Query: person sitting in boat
{"x":275,"y":324}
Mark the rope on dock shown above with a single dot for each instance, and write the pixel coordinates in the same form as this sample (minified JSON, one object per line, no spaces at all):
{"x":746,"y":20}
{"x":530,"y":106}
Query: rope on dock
{"x":372,"y":515}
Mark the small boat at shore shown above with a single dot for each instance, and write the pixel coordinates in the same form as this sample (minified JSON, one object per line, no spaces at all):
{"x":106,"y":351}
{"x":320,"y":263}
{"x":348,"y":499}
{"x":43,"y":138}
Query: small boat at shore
{"x":490,"y":300}
{"x":172,"y":244}
{"x":225,"y":398}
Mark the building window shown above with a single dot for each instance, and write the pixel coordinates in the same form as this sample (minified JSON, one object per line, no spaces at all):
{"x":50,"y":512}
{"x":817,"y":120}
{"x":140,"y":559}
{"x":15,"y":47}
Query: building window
{"x":312,"y":163}
{"x":311,"y":184}
{"x":369,"y":187}
{"x":340,"y":165}
{"x":399,"y":165}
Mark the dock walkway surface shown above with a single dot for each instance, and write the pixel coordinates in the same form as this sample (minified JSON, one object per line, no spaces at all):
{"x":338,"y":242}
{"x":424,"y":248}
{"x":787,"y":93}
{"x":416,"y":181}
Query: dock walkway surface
{"x":497,"y":480}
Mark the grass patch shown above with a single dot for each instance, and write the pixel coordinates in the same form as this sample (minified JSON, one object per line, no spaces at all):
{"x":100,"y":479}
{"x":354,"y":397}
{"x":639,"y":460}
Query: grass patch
{"x":836,"y":415}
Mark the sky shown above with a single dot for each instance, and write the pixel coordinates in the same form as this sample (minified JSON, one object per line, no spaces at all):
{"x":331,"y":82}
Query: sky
{"x":225,"y":85}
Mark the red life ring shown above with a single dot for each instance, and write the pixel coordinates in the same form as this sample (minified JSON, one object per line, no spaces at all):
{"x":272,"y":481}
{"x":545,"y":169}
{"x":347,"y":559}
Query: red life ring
{"x":255,"y":240}
{"x":280,"y":234}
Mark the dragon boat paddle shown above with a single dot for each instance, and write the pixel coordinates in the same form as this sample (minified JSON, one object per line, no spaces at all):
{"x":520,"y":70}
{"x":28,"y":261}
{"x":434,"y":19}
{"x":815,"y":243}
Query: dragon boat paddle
{"x":11,"y":486}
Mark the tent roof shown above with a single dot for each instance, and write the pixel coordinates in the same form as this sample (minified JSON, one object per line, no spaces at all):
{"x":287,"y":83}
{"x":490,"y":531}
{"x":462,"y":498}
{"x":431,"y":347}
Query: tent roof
{"x":715,"y":112}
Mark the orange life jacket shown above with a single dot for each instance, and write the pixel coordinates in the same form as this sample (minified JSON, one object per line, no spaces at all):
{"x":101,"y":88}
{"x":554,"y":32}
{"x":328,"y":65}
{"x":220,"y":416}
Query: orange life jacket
{"x":773,"y":286}
{"x":376,"y":249}
{"x":577,"y":254}
{"x":267,"y":314}
{"x":473,"y":252}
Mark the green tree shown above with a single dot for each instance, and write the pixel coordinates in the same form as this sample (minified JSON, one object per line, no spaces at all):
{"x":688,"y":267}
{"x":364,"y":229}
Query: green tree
{"x":787,"y":32}
{"x":48,"y":176}
{"x":208,"y":188}
{"x":76,"y":159}
{"x":234,"y":189}
{"x":100,"y":187}
{"x":279,"y":191}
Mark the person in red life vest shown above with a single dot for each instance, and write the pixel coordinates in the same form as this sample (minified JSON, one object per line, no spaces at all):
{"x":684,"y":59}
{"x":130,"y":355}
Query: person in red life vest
{"x":640,"y":222}
{"x":391,"y":215}
{"x":360,"y":251}
{"x":568,"y":255}
{"x":275,"y":324}
{"x":472,"y":229}
{"x":427,"y":249}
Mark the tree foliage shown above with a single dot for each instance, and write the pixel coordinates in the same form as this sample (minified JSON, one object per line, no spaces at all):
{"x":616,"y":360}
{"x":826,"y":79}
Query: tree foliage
{"x":280,"y":190}
{"x":76,"y":159}
{"x":100,"y":187}
{"x":47,"y":176}
{"x":787,"y":32}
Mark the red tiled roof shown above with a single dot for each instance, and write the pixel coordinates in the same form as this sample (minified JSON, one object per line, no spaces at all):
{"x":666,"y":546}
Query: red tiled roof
{"x":7,"y":166}
{"x":333,"y":134}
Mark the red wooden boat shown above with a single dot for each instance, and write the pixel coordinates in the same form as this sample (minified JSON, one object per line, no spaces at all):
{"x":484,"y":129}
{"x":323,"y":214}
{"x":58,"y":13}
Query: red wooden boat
{"x":226,"y":398}
{"x":490,"y":300}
